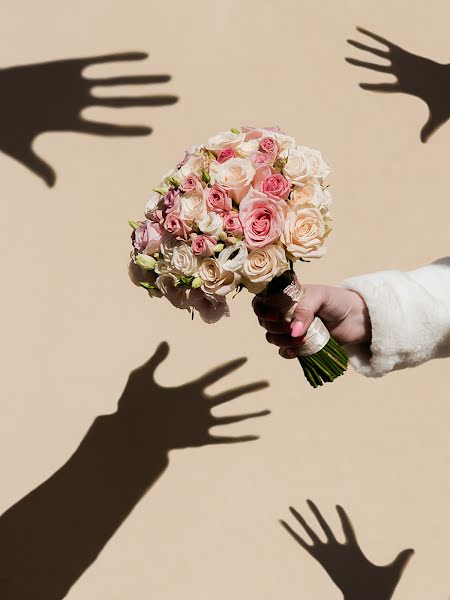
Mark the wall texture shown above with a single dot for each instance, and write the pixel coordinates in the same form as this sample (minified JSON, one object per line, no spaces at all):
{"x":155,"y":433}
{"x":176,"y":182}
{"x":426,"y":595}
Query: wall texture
{"x":73,"y":327}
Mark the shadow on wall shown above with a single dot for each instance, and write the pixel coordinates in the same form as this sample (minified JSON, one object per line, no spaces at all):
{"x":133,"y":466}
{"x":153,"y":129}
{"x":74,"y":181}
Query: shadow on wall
{"x":50,"y":96}
{"x":345,"y":563}
{"x":51,"y":536}
{"x":416,"y":76}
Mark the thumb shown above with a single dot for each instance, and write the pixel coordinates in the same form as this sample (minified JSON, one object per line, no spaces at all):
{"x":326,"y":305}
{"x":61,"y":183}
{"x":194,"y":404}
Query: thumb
{"x":433,"y":123}
{"x":312,"y":301}
{"x":402,"y":560}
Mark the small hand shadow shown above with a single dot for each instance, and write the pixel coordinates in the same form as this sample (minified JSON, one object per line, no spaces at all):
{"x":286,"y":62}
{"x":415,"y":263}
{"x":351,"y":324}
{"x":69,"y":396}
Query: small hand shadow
{"x":52,"y":535}
{"x":44,"y":97}
{"x":345,"y":563}
{"x":416,"y":75}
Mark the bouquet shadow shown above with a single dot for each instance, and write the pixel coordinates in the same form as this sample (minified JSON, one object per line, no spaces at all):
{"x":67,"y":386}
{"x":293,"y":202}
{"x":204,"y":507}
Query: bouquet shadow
{"x":52,"y":535}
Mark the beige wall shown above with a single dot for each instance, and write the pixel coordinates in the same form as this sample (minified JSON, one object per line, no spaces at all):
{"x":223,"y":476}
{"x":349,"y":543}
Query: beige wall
{"x":73,"y":326}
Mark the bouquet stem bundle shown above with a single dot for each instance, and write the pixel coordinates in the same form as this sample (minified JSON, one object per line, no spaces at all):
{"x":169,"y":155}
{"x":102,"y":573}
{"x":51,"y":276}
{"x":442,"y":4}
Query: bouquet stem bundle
{"x":322,"y":359}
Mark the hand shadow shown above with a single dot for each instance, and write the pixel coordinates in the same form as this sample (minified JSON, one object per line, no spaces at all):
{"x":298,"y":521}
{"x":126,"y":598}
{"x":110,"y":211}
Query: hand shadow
{"x":50,"y":96}
{"x":52,"y":535}
{"x":345,"y":563}
{"x":416,"y":75}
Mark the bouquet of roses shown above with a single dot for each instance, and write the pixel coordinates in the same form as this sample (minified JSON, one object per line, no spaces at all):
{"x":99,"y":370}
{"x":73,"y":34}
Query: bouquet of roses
{"x":236,"y":213}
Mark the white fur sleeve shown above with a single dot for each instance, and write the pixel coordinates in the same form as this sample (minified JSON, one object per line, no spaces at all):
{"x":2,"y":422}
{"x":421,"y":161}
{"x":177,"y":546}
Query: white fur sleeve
{"x":410,"y":317}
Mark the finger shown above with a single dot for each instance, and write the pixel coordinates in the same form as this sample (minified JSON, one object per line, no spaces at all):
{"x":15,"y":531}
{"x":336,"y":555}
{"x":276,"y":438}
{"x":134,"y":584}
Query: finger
{"x":39,"y":167}
{"x":403,"y":559}
{"x":288,"y":353}
{"x":326,"y":528}
{"x":223,"y":439}
{"x":160,"y":355}
{"x":238,"y":391}
{"x":238,"y":418}
{"x":133,"y":101}
{"x":306,"y":527}
{"x":380,"y":87}
{"x":432,"y":125}
{"x":130,"y":80}
{"x":375,"y":36}
{"x":111,"y":130}
{"x":107,"y":58}
{"x":218,"y":373}
{"x":375,"y":51}
{"x":296,"y":536}
{"x":369,"y":65}
{"x":275,"y":326}
{"x":347,"y":526}
{"x":283,"y":340}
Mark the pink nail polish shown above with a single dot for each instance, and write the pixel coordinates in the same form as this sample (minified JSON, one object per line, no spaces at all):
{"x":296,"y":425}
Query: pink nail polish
{"x":296,"y":329}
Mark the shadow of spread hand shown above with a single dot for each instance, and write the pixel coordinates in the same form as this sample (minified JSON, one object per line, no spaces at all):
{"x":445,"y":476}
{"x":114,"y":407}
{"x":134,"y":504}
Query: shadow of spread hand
{"x":52,"y":535}
{"x":50,"y":96}
{"x":416,"y":75}
{"x":181,"y":417}
{"x":345,"y":563}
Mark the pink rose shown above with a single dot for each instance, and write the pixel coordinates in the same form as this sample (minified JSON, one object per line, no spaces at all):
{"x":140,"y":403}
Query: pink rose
{"x":218,"y":199}
{"x":262,"y":219}
{"x":203,"y":245}
{"x":260,"y":159}
{"x":147,"y":237}
{"x":232,"y":224}
{"x":157,"y":216}
{"x":190,"y":184}
{"x":252,"y":133}
{"x":171,"y":201}
{"x":270,"y":146}
{"x":225,"y":154}
{"x":276,"y":186}
{"x":210,"y":306}
{"x":174,"y":225}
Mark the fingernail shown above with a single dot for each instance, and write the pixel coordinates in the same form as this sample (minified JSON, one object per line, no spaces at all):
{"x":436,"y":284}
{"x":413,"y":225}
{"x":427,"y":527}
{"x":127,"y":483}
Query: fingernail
{"x":296,"y":329}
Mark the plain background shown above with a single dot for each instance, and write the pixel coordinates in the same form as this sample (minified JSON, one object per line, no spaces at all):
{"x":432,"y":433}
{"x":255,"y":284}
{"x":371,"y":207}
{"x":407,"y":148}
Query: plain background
{"x":73,"y":326}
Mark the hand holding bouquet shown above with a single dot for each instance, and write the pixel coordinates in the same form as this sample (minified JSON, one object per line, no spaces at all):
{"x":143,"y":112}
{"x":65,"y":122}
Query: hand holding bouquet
{"x":237,"y":212}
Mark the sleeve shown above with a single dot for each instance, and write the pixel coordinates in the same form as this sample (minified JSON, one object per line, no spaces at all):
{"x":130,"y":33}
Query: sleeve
{"x":410,"y":318}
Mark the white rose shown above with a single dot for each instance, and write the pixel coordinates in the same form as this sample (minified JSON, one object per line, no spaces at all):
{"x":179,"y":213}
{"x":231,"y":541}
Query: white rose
{"x":177,"y":295}
{"x":194,"y":165}
{"x":285,"y":141}
{"x":305,"y":231}
{"x":263,"y":265}
{"x":184,"y":261}
{"x":168,"y":243}
{"x":210,"y":306}
{"x":317,"y":167}
{"x":193,"y":206}
{"x":235,"y":176}
{"x":236,"y":263}
{"x":216,"y":280}
{"x":211,"y":224}
{"x":224,"y":139}
{"x":249,"y":146}
{"x":297,"y":168}
{"x":311,"y":193}
{"x":152,"y":204}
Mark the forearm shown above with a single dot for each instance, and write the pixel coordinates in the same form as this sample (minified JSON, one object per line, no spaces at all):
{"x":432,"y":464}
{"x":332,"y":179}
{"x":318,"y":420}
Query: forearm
{"x":410,"y":318}
{"x":54,"y":533}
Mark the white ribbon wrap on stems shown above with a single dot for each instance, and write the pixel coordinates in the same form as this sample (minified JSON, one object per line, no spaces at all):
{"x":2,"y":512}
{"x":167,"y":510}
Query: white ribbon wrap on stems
{"x":316,"y":338}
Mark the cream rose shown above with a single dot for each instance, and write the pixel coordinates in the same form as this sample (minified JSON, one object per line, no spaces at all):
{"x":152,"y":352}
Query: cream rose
{"x":311,"y":193}
{"x":296,"y":169}
{"x":152,"y":204}
{"x":224,"y":139}
{"x":305,"y":231}
{"x":317,"y":167}
{"x":216,"y":280}
{"x":235,"y":176}
{"x":184,"y":260}
{"x":193,"y":206}
{"x":211,"y":224}
{"x":262,"y":265}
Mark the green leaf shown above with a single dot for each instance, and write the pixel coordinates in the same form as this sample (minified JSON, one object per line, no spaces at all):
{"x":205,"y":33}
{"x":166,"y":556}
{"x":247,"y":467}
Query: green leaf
{"x":146,"y":285}
{"x":133,"y":224}
{"x":206,"y":178}
{"x":236,"y":131}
